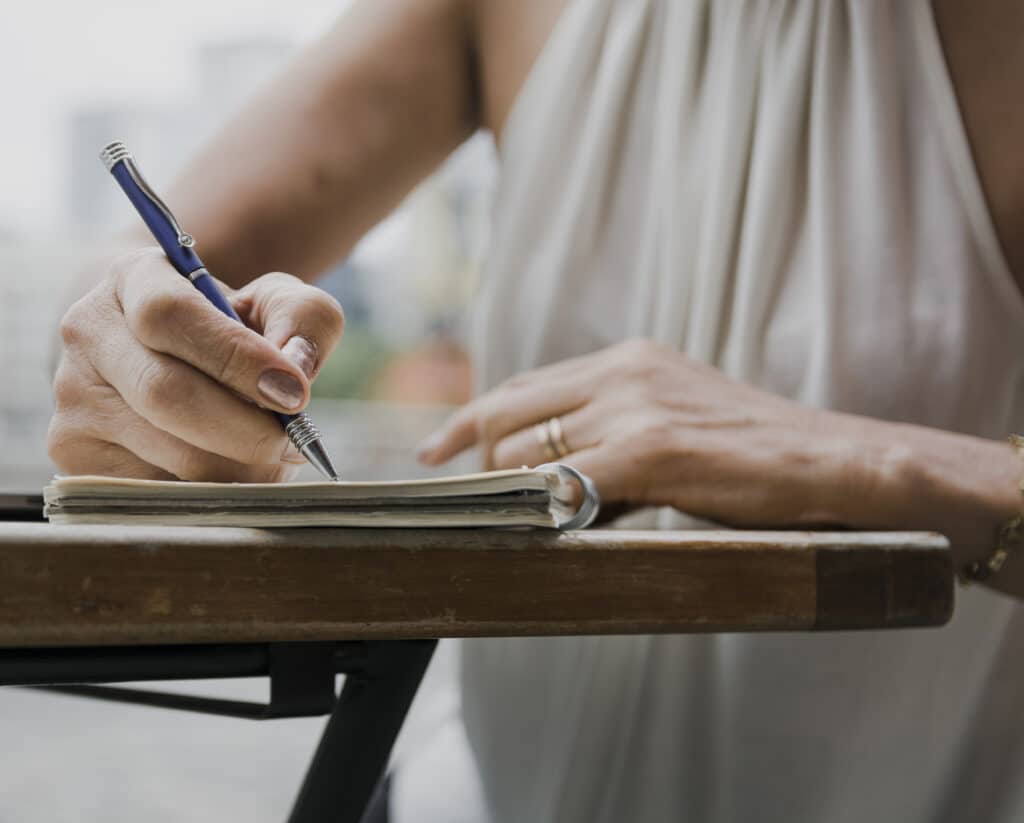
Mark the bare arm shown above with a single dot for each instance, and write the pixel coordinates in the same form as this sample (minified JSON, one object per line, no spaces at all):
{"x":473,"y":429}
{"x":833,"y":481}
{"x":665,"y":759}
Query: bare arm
{"x":329,"y":148}
{"x":335,"y":143}
{"x":153,"y":381}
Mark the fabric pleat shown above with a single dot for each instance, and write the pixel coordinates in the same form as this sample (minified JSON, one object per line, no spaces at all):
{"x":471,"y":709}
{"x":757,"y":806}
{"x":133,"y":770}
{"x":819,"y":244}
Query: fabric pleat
{"x":784,"y":190}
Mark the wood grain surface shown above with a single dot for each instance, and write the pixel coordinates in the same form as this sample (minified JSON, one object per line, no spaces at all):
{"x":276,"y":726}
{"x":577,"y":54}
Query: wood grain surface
{"x":121,"y":585}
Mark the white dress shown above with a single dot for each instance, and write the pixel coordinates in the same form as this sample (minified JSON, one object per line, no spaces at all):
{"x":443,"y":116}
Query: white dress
{"x":784,"y":190}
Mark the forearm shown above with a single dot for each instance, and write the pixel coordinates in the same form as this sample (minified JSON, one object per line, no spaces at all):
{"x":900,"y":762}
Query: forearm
{"x":900,"y":476}
{"x":329,"y":148}
{"x":335,"y":143}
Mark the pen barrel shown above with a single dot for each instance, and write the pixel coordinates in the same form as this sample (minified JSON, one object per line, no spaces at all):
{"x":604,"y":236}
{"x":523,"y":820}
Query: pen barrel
{"x":183,"y":258}
{"x":205,"y":283}
{"x":287,"y":419}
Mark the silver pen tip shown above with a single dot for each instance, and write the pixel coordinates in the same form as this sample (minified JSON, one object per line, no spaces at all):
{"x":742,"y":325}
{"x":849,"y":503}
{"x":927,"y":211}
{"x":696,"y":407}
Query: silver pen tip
{"x":317,"y":455}
{"x":306,"y":438}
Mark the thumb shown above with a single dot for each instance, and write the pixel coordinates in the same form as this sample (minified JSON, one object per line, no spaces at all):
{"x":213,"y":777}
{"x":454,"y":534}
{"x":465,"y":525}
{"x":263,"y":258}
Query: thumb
{"x":170,"y":317}
{"x":304,"y":322}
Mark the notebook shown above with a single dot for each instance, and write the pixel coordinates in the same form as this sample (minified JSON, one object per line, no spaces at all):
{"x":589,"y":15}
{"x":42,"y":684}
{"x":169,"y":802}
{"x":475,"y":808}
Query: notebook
{"x":542,"y":497}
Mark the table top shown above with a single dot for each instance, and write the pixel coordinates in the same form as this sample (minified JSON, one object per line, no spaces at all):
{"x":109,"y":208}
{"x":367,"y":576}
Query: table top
{"x":128,"y":585}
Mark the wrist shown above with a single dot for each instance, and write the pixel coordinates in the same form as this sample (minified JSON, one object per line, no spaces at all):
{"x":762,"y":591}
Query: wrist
{"x":871,"y":473}
{"x":911,"y":477}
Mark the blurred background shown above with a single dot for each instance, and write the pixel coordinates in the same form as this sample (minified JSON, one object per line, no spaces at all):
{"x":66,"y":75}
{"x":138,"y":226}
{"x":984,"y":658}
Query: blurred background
{"x":74,"y":76}
{"x":163,"y":77}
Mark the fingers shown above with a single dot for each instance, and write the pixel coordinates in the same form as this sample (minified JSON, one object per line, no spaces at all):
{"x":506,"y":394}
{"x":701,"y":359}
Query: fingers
{"x":92,"y":456}
{"x":526,"y":447}
{"x":301,"y":320}
{"x":94,"y":431}
{"x":166,"y":314}
{"x":185,"y":403}
{"x":509,"y":408}
{"x":95,"y":456}
{"x":187,"y":462}
{"x":551,"y":391}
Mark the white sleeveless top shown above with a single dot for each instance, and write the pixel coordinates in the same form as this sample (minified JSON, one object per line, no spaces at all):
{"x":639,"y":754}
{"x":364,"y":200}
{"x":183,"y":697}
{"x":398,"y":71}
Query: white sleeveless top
{"x":783,"y":190}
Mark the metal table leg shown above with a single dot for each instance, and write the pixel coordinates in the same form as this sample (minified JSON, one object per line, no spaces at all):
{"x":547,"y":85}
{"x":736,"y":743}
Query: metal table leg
{"x":360,"y":733}
{"x":381,"y":679}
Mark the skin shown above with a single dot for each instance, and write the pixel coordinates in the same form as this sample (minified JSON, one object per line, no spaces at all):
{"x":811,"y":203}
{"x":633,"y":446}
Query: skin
{"x":338,"y":140}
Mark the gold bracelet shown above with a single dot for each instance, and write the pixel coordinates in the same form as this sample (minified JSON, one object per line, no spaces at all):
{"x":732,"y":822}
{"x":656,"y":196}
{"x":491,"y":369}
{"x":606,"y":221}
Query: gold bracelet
{"x":1011,"y":535}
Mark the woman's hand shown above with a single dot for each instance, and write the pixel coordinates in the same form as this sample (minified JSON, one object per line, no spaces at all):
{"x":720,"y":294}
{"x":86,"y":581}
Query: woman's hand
{"x":154,"y":382}
{"x":651,"y":426}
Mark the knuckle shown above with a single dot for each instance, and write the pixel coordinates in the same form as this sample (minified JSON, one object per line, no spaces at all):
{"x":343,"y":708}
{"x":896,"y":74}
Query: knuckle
{"x":155,"y":314}
{"x":64,"y":440}
{"x":636,"y":357}
{"x":652,"y":436}
{"x":126,"y":265}
{"x":57,"y":439}
{"x":234,"y":357}
{"x":70,"y":331}
{"x":331,"y":314}
{"x":74,"y":324}
{"x":66,"y":389}
{"x":160,"y":387}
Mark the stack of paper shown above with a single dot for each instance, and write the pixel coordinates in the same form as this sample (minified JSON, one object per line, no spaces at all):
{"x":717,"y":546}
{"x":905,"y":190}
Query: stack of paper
{"x":540,"y":497}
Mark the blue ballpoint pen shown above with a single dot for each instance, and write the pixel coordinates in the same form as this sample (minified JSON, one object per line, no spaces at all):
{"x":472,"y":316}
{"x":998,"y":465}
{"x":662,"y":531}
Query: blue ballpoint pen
{"x":178,"y":246}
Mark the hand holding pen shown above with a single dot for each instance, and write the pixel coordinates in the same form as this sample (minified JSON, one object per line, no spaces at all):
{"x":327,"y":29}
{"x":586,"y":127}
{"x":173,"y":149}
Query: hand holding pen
{"x":156,"y":381}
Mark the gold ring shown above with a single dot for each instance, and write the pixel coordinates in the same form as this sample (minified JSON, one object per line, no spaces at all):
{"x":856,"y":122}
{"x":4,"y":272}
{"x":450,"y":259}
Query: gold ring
{"x":557,"y":438}
{"x":543,"y":434}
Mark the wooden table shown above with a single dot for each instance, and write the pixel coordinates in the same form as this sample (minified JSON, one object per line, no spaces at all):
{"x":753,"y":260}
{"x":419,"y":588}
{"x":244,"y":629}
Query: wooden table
{"x":107,"y":604}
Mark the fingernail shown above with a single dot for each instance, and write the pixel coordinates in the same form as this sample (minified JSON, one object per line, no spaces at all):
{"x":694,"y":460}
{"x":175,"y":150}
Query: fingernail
{"x":280,"y":388}
{"x":302,"y":352}
{"x":292,"y":455}
{"x":429,"y":445}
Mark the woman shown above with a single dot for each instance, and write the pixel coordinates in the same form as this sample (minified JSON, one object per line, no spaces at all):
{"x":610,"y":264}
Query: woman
{"x":815,"y":257}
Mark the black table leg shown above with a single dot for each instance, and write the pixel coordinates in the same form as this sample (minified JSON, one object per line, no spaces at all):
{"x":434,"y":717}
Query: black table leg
{"x":381,"y":680}
{"x":360,"y":733}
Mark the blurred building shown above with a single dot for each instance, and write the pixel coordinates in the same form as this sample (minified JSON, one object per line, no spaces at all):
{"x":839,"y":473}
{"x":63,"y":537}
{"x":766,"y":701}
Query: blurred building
{"x":33,"y":274}
{"x":95,"y":204}
{"x":163,"y":136}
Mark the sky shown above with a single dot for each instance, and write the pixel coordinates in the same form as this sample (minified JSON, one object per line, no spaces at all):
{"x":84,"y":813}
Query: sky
{"x":59,"y":55}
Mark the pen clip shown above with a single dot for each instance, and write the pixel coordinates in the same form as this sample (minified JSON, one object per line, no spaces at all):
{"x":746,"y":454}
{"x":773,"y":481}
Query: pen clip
{"x":117,"y":152}
{"x":184,"y":238}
